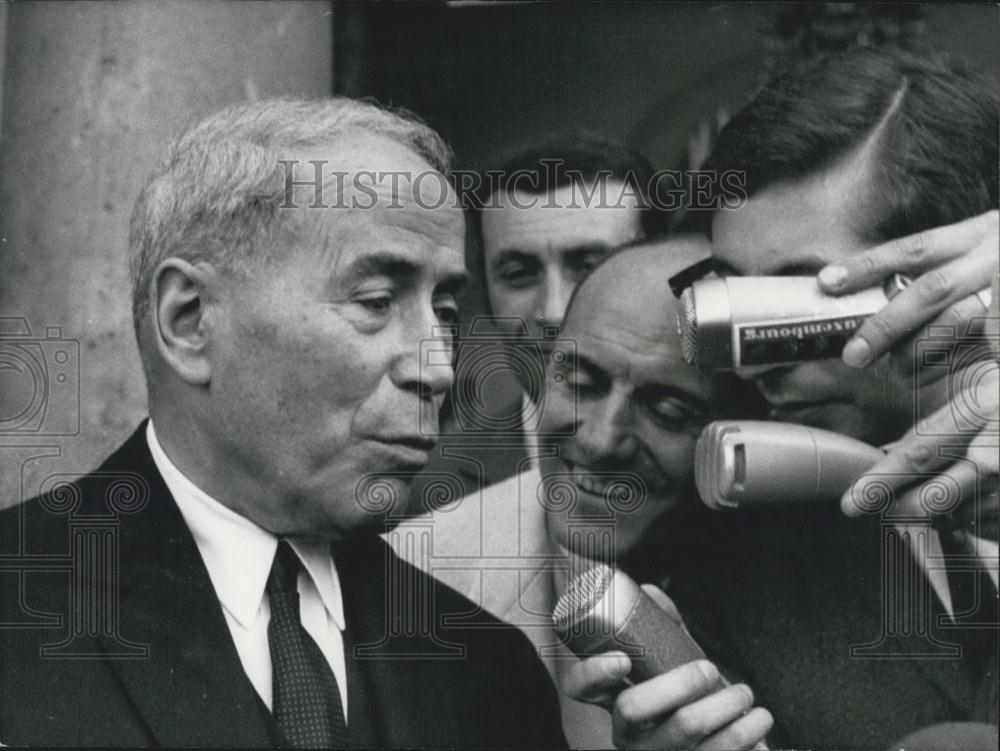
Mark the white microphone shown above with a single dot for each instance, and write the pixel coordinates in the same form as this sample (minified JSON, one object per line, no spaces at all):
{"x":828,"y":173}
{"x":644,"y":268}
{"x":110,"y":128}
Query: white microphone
{"x":742,"y":463}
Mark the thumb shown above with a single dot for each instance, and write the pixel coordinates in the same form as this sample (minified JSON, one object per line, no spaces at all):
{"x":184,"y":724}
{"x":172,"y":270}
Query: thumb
{"x":658,"y":596}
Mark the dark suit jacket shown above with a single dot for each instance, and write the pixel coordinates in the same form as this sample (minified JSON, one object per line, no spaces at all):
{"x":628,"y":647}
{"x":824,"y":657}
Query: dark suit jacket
{"x":792,"y":602}
{"x":150,"y":660}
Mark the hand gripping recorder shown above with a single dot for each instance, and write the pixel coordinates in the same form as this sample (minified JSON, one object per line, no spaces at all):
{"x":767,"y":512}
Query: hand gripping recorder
{"x":742,"y":463}
{"x":755,"y":322}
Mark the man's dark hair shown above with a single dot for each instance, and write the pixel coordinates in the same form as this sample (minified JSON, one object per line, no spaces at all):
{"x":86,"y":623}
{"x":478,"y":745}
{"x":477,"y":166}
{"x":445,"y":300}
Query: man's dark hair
{"x":577,"y":157}
{"x":931,"y":118}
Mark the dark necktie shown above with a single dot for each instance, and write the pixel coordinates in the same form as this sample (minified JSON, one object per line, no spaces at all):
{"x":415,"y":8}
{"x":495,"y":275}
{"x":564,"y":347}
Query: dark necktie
{"x":974,"y":600}
{"x":305,"y":698}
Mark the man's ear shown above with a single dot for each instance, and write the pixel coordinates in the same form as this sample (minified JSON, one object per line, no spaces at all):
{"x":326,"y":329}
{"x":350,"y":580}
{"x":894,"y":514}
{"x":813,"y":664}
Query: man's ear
{"x":180,"y":296}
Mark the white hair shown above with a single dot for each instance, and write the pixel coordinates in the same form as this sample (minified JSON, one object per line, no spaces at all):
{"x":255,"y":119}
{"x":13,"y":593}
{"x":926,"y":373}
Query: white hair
{"x":215,"y":195}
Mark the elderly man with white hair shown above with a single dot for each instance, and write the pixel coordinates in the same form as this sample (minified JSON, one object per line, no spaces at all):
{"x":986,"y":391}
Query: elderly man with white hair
{"x":289,"y":257}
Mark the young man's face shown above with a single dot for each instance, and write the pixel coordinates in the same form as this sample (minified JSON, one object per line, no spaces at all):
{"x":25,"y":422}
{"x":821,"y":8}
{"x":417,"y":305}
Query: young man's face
{"x":535,"y":257}
{"x":795,"y":229}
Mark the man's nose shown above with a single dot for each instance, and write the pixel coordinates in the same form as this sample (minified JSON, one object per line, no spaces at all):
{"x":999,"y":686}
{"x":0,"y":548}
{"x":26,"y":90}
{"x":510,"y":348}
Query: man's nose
{"x":603,"y":428}
{"x":555,"y":297}
{"x":425,"y":364}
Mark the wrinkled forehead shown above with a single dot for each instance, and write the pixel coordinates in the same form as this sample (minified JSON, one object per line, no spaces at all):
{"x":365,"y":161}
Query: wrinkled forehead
{"x":620,"y":313}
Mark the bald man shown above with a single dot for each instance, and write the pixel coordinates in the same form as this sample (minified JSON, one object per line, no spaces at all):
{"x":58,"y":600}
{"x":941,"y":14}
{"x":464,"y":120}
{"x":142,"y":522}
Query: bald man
{"x":622,"y":405}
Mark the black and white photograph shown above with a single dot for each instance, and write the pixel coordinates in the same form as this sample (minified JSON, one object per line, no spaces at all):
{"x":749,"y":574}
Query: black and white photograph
{"x":457,"y":374}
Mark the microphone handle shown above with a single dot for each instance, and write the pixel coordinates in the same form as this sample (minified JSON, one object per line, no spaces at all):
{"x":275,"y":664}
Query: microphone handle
{"x":653,"y":640}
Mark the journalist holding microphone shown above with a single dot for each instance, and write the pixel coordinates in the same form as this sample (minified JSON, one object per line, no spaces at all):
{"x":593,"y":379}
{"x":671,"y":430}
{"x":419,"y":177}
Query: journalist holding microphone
{"x":861,"y":625}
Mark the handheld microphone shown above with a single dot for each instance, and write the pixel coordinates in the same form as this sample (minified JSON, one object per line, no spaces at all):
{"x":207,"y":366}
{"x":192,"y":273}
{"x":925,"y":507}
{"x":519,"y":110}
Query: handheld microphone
{"x":745,"y":323}
{"x":755,"y":463}
{"x":604,"y":609}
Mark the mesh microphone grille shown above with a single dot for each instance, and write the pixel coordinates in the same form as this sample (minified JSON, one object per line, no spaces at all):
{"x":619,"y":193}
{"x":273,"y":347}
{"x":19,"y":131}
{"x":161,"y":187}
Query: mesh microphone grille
{"x":584,"y":592}
{"x":687,"y":327}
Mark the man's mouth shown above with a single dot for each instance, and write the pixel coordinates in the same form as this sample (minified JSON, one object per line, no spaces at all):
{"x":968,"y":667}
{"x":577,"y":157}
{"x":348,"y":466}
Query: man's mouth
{"x":407,"y":451}
{"x":588,"y":481}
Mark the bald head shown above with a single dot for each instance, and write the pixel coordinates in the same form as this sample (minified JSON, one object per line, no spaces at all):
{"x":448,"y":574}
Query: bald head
{"x":633,"y":286}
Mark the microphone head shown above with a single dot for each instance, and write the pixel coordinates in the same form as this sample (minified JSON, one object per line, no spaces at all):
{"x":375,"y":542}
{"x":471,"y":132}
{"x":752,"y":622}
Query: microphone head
{"x":719,"y":464}
{"x":687,"y":327}
{"x":584,"y":592}
{"x":704,"y":323}
{"x":597,"y":601}
{"x":604,"y":609}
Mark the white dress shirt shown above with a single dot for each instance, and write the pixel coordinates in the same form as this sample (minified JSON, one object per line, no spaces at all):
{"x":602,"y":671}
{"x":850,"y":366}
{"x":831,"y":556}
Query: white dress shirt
{"x":937,"y":574}
{"x":238,"y":555}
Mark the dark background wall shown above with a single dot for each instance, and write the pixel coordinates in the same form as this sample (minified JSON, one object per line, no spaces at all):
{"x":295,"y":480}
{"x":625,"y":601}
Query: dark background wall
{"x":493,"y":77}
{"x":93,"y":90}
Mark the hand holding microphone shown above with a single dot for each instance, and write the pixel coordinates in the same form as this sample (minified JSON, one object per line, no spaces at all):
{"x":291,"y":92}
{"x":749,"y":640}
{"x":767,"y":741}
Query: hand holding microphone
{"x":741,"y":463}
{"x":678,"y":699}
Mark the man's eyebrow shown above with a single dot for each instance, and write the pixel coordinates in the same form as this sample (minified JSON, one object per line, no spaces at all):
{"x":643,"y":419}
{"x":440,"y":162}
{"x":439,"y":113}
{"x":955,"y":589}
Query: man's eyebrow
{"x":579,"y":253}
{"x":513,"y":254}
{"x":661,"y":390}
{"x":453,"y":283}
{"x":398,"y":268}
{"x":801,"y":268}
{"x":380,"y":264}
{"x":595,"y":371}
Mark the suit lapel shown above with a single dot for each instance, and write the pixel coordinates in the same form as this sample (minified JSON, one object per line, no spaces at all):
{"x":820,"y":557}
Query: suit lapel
{"x":383,"y":691}
{"x":924,"y":648}
{"x":191,"y":690}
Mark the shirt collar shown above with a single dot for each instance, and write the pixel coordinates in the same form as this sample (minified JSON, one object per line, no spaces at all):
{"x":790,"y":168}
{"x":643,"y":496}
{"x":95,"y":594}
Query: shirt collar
{"x":238,"y":553}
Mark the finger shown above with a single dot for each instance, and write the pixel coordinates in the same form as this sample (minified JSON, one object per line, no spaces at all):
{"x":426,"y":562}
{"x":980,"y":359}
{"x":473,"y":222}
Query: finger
{"x":693,"y":722}
{"x":748,"y":731}
{"x":645,"y":703}
{"x":984,"y":451}
{"x":915,"y":454}
{"x":920,"y":354}
{"x":943,"y":494}
{"x":992,"y":331}
{"x":908,"y":312}
{"x":913,"y":254}
{"x":660,"y":597}
{"x":598,"y":679}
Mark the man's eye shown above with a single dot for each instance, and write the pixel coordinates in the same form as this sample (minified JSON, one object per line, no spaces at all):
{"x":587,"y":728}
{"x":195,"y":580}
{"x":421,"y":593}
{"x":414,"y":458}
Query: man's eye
{"x":673,"y":412}
{"x":447,"y":313}
{"x":577,"y":380}
{"x":518,"y":275}
{"x":585,"y":265}
{"x":376,"y":303}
